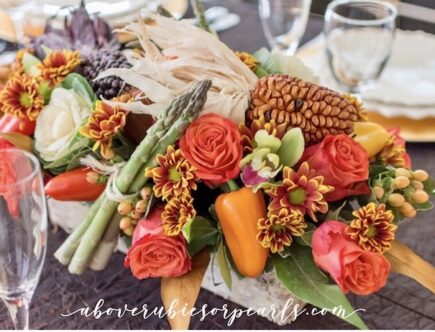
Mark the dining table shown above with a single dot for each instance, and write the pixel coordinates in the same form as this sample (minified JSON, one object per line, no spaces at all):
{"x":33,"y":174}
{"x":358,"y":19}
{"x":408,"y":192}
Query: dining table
{"x":401,"y":304}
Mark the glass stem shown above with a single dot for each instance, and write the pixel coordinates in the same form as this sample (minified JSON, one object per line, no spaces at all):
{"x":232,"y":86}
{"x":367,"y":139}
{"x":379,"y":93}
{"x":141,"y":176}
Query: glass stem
{"x":19,"y":311}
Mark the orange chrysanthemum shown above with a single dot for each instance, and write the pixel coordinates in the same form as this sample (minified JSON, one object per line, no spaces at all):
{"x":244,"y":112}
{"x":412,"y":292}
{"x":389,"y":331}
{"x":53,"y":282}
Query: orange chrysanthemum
{"x":178,"y":211}
{"x":276,"y":231}
{"x":301,"y":190}
{"x":58,"y":64}
{"x":393,"y":154}
{"x":102,"y":126}
{"x":248,"y":59}
{"x":21,"y":97}
{"x":372,"y":227}
{"x":248,"y":133}
{"x":174,"y":176}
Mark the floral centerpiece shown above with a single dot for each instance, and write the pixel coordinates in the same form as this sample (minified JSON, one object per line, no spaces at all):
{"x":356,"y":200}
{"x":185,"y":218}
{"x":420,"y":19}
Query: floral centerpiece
{"x":190,"y":151}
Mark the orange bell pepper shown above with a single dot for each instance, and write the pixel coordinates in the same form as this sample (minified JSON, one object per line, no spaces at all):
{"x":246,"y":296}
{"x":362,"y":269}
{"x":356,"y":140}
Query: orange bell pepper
{"x":74,"y":186}
{"x":238,"y":213}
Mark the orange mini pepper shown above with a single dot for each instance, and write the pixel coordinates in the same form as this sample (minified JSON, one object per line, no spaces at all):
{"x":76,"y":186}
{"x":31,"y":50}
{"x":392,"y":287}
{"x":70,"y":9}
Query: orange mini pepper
{"x":238,"y":213}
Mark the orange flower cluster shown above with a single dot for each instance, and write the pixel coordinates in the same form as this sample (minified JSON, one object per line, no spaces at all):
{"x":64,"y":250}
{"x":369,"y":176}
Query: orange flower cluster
{"x":276,"y":231}
{"x":372,"y":228}
{"x":21,"y":97}
{"x":58,"y":64}
{"x":301,"y":190}
{"x":174,"y":179}
{"x":102,"y":126}
{"x":178,"y":211}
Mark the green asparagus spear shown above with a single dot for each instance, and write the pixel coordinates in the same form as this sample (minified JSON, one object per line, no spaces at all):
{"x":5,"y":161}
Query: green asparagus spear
{"x":165,"y":132}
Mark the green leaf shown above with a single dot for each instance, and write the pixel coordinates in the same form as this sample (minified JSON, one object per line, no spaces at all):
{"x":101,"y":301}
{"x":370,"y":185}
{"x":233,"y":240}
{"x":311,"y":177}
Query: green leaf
{"x":30,"y":63}
{"x":423,"y":206}
{"x":80,"y":85}
{"x":292,"y":148}
{"x":268,"y":62}
{"x":264,"y":140}
{"x":224,"y":266}
{"x":429,"y":186}
{"x":301,"y":276}
{"x":199,"y":232}
{"x":334,"y":214}
{"x":260,"y":71}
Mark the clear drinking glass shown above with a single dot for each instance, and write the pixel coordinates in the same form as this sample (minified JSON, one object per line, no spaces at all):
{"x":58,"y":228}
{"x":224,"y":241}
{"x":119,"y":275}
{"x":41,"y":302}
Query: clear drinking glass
{"x":359,"y":36}
{"x":284,"y":22}
{"x":23,"y":231}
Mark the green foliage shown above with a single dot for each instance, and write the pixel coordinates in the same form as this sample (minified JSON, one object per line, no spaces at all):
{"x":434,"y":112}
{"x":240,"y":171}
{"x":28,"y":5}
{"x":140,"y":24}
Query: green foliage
{"x":224,"y":266}
{"x":80,"y":85}
{"x":199,"y":233}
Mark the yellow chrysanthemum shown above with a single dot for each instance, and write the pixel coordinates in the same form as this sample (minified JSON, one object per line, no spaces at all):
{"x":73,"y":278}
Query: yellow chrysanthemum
{"x":178,"y":211}
{"x":58,"y":64}
{"x":301,"y":190}
{"x":247,"y":59}
{"x":372,"y":227}
{"x":174,"y":175}
{"x":21,"y":97}
{"x":103,"y":124}
{"x":393,"y":154}
{"x":276,"y":231}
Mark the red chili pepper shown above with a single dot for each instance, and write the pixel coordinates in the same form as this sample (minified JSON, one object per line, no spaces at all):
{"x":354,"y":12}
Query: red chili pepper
{"x":74,"y":186}
{"x":13,"y":124}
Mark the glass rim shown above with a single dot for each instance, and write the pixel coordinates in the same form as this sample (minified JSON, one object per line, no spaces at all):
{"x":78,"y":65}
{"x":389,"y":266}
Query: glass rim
{"x":378,"y":21}
{"x":34,"y":173}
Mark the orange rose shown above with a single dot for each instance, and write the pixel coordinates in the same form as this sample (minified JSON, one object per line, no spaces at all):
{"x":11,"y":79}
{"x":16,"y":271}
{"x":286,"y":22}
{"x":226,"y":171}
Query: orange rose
{"x":344,"y":164}
{"x":353,"y":269}
{"x":212,"y":144}
{"x":154,"y":254}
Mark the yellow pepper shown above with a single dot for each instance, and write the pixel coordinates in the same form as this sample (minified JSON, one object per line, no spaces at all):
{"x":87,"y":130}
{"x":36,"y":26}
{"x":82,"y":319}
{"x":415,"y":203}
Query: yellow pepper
{"x":372,"y":136}
{"x":238,"y":213}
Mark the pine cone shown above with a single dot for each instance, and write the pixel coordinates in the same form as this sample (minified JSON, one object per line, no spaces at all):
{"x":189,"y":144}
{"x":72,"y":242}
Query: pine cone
{"x":281,"y":102}
{"x":108,"y":87}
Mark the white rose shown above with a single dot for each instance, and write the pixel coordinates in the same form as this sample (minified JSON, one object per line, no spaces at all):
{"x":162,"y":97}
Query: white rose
{"x":59,"y":122}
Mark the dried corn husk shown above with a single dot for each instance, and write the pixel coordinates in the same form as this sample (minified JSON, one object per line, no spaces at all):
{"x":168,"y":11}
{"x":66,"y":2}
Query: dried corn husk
{"x":178,"y":54}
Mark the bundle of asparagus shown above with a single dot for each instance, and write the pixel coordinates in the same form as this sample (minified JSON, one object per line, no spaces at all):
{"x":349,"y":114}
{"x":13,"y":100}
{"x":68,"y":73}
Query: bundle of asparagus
{"x":83,"y":246}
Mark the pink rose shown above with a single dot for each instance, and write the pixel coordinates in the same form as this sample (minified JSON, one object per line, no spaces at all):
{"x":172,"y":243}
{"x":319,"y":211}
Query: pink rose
{"x":154,"y":254}
{"x":353,"y":269}
{"x":343,"y":163}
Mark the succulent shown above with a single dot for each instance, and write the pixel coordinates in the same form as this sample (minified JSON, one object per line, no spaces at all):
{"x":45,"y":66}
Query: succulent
{"x":81,"y":32}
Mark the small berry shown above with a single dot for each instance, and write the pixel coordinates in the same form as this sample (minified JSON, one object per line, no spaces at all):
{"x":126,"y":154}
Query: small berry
{"x":125,"y":223}
{"x":129,"y":231}
{"x":145,"y":193}
{"x":420,"y":196}
{"x":124,"y":208}
{"x":92,"y":177}
{"x":401,"y":182}
{"x":420,"y":175}
{"x":379,"y":192}
{"x":135,"y":214}
{"x":417,"y":184}
{"x":407,"y":210}
{"x":403,"y":172}
{"x":141,"y":206}
{"x":396,"y":200}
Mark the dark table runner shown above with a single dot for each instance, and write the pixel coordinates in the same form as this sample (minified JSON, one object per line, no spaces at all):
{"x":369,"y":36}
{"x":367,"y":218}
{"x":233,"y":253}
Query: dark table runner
{"x":402,"y":304}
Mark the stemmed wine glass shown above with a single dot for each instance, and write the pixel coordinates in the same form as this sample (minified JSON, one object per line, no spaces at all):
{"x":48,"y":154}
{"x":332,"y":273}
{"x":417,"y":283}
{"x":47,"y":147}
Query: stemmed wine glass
{"x":359,"y":36}
{"x":284,"y":22}
{"x":23,"y":231}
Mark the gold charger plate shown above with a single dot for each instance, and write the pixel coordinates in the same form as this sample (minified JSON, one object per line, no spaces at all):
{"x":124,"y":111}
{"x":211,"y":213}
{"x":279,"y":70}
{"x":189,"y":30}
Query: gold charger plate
{"x":411,"y":130}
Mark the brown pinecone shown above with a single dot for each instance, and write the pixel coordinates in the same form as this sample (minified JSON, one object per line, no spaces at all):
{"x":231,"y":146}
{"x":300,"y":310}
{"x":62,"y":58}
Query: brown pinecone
{"x":280,"y":102}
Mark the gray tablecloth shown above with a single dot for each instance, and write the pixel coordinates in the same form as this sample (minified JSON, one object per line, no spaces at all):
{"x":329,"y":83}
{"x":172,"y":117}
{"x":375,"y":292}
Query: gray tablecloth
{"x":402,"y":304}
